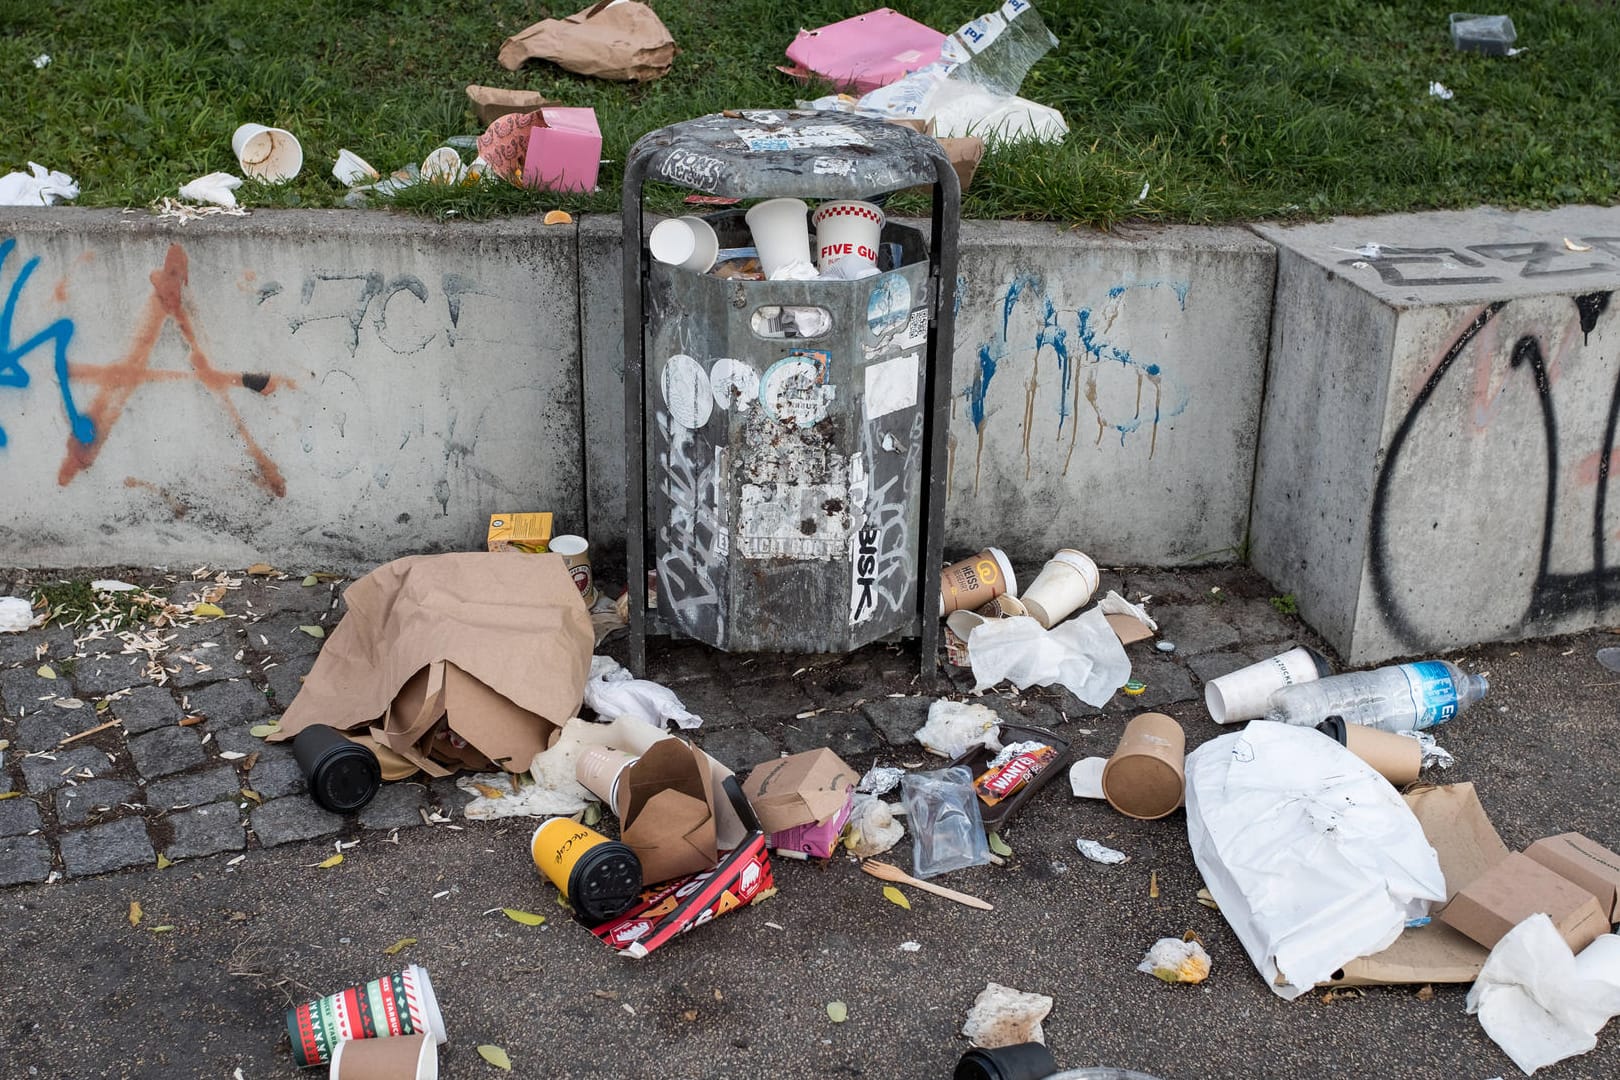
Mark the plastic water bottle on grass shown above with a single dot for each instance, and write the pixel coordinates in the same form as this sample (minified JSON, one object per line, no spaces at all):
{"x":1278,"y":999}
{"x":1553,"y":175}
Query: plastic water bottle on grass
{"x":1404,"y":697}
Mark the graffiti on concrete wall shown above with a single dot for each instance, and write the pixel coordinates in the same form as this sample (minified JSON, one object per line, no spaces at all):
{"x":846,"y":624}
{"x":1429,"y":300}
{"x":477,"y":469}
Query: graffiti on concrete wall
{"x":1489,"y":264}
{"x":1533,"y":360}
{"x":49,"y":344}
{"x":1077,"y":352}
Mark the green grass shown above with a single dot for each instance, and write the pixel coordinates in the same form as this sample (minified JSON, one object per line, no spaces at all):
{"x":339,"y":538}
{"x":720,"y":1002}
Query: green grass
{"x":1228,"y":111}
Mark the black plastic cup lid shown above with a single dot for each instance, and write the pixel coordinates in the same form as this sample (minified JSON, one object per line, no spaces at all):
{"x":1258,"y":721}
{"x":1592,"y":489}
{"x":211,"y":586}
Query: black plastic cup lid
{"x":1022,"y":1061}
{"x":605,"y":882}
{"x":343,"y":776}
{"x":1333,"y":727}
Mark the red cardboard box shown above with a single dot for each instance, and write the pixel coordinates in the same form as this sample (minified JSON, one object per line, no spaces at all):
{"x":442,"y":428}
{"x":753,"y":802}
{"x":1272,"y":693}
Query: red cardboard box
{"x":672,"y":909}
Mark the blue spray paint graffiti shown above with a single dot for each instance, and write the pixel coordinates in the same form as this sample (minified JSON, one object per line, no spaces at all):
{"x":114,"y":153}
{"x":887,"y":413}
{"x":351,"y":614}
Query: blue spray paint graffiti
{"x":58,"y":334}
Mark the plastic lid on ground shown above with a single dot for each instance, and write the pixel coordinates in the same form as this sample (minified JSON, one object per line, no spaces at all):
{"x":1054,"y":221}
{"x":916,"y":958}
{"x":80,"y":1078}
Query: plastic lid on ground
{"x":770,"y":153}
{"x":1101,"y":1074}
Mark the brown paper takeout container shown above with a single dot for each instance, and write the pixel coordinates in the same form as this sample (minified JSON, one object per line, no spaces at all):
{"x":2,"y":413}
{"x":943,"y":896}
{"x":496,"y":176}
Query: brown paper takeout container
{"x":1146,"y":778}
{"x":801,"y":789}
{"x":1488,"y":907}
{"x":1585,"y":862}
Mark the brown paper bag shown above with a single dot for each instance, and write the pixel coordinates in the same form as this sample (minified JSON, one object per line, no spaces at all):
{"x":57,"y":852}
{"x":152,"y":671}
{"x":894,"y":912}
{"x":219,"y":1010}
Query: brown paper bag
{"x":624,"y":42}
{"x":453,"y":661}
{"x":491,"y":103}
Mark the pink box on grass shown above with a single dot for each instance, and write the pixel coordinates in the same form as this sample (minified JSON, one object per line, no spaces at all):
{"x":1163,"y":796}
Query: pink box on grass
{"x":564,"y":154}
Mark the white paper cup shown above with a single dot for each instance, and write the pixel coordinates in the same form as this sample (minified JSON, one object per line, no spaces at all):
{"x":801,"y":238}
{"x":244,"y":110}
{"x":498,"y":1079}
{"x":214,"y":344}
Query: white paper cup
{"x":1065,"y":583}
{"x":410,"y":1057}
{"x":576,"y":555}
{"x":781,"y":233}
{"x":266,"y":153}
{"x":352,"y":169}
{"x":1241,"y":695}
{"x":443,"y":166}
{"x":847,"y":229}
{"x":687,"y":242}
{"x":598,"y":771}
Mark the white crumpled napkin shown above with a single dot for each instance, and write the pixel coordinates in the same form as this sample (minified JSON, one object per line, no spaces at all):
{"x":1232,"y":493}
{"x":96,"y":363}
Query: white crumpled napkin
{"x":1083,"y":654}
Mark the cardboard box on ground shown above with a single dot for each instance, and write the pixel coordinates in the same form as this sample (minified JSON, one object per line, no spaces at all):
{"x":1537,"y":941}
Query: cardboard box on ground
{"x":802,"y":800}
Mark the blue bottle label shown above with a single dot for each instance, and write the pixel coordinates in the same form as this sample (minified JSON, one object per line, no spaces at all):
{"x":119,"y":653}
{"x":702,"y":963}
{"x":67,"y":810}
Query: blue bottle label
{"x":1434,"y":692}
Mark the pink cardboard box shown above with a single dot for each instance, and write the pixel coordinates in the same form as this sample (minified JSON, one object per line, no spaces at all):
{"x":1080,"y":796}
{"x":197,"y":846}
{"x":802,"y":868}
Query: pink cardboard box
{"x":865,"y":52}
{"x":564,"y":154}
{"x":818,"y":840}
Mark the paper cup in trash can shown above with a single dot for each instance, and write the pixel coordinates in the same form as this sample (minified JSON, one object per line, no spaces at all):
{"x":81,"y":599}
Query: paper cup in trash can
{"x":781,"y":233}
{"x":1065,"y":583}
{"x":975,"y":581}
{"x":266,"y":153}
{"x":399,"y":1004}
{"x":1145,"y":778}
{"x":687,"y":242}
{"x":1241,"y":695}
{"x":847,"y":229}
{"x":409,"y":1057}
{"x":343,"y":776}
{"x":598,"y":770}
{"x":1396,"y":758}
{"x":576,"y":555}
{"x":1019,"y":1061}
{"x":601,"y":878}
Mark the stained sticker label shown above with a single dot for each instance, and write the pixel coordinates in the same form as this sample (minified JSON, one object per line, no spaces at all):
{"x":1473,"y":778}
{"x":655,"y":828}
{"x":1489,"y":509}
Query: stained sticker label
{"x":794,"y":391}
{"x":889,"y":305}
{"x":807,"y":137}
{"x":733,"y":382}
{"x":891,"y":385}
{"x":687,"y":394}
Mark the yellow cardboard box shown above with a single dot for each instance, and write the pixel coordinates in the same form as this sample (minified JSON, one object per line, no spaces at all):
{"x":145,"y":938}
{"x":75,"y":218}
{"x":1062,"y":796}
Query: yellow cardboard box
{"x":519,"y":532}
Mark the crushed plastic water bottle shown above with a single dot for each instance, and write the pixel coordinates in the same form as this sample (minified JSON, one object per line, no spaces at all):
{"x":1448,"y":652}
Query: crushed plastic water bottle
{"x":1403,"y":697}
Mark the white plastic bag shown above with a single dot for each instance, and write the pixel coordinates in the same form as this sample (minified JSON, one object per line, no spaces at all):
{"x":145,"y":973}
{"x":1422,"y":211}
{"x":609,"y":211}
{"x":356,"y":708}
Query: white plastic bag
{"x":218,"y":188}
{"x":1540,"y":1002}
{"x":43,"y":188}
{"x":955,"y":727}
{"x":1083,"y":654}
{"x":1312,"y":856}
{"x":613,"y":693}
{"x":16,"y":615}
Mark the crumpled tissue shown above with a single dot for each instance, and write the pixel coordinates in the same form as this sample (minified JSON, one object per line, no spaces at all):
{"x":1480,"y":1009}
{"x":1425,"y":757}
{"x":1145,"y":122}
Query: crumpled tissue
{"x":44,"y":188}
{"x":613,"y":693}
{"x":955,"y":727}
{"x":872,"y":828}
{"x":1540,"y":1002}
{"x":218,"y":188}
{"x":1083,"y":654}
{"x":16,"y":615}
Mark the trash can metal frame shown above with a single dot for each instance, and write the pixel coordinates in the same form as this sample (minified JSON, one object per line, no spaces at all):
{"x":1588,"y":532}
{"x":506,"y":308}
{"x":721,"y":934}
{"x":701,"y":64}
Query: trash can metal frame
{"x":758,"y":154}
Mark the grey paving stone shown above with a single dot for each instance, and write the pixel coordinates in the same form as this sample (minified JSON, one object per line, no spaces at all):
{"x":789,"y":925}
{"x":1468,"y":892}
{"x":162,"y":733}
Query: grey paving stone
{"x":289,"y":597}
{"x":195,"y":789}
{"x":280,"y":636}
{"x":1208,"y":666}
{"x":45,"y":728}
{"x":24,"y":859}
{"x":78,"y":803}
{"x":276,"y":773}
{"x":233,"y":702}
{"x":1162,"y":585}
{"x":146,"y":708}
{"x":117,"y":845}
{"x":22,"y":690}
{"x":397,"y":806}
{"x":444,"y":795}
{"x":846,"y":686}
{"x":1196,"y":628}
{"x":47,"y":774}
{"x":200,"y":666}
{"x":1167,"y":683}
{"x":24,"y":648}
{"x":283,"y":821}
{"x":897,"y":719}
{"x":5,"y":781}
{"x":226,"y":634}
{"x":95,"y":676}
{"x":18,"y":816}
{"x":237,"y":737}
{"x":739,"y":748}
{"x":1257,"y":622}
{"x":286,"y":679}
{"x":206,"y":830}
{"x":167,"y":750}
{"x":710,"y":700}
{"x":847,"y":734}
{"x":1021,"y":709}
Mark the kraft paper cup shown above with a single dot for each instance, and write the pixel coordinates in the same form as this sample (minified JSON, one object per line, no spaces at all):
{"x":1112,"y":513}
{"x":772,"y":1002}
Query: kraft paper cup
{"x":1396,"y":758}
{"x":1146,"y":777}
{"x":1065,"y":583}
{"x":1241,"y":695}
{"x":847,"y":229}
{"x":576,"y":555}
{"x":975,"y":581}
{"x":411,"y":1057}
{"x":352,"y":169}
{"x":399,"y":1004}
{"x":781,"y":233}
{"x":598,"y":770}
{"x":687,"y":242}
{"x":266,"y":153}
{"x":1003,"y":607}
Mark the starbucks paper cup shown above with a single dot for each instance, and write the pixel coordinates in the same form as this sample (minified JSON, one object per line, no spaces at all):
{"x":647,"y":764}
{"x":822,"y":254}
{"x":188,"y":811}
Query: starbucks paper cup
{"x":410,"y":1057}
{"x":1241,"y":695}
{"x":576,"y":555}
{"x":975,"y":581}
{"x":266,"y":153}
{"x":1065,"y":583}
{"x":1146,"y":777}
{"x":847,"y":229}
{"x":394,"y":1005}
{"x":687,"y":242}
{"x":781,"y":233}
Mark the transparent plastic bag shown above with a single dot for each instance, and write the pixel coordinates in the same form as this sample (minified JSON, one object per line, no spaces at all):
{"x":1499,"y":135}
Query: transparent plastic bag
{"x":947,"y":831}
{"x":1002,"y":46}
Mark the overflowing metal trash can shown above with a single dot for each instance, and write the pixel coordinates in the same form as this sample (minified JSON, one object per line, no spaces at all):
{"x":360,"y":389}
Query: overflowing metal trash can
{"x":786,"y":438}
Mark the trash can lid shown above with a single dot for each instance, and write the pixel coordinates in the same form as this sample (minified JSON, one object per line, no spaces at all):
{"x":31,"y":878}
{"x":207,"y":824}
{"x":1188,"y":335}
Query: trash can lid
{"x":770,"y":153}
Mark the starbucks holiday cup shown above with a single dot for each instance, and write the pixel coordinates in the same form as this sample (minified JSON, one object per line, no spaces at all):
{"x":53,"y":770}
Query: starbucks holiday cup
{"x":394,"y":1005}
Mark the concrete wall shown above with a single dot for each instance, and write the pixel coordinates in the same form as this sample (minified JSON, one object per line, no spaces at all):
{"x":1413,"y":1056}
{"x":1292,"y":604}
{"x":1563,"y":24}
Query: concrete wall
{"x":1441,"y":412}
{"x":310,"y":388}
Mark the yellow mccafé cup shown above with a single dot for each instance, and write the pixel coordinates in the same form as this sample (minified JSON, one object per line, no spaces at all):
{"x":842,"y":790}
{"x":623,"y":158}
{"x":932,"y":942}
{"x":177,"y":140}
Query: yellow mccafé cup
{"x":601,"y":878}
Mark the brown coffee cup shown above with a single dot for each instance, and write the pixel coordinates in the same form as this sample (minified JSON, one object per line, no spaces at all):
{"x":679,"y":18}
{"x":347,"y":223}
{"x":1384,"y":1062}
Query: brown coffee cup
{"x":598,"y":770}
{"x":975,"y":581}
{"x":1146,"y":777}
{"x":1396,"y":758}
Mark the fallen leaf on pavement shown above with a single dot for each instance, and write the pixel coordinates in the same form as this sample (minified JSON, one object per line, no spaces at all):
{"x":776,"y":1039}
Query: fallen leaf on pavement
{"x":331,"y":861}
{"x":527,"y":918}
{"x":249,"y":793}
{"x":160,"y":929}
{"x":260,"y":731}
{"x":314,"y":631}
{"x":998,"y":845}
{"x":9,"y":794}
{"x":495,"y":1056}
{"x":46,"y":671}
{"x":837,"y":1011}
{"x":260,"y":569}
{"x":311,"y":580}
{"x":210,"y":610}
{"x":134,"y":913}
{"x":489,"y":792}
{"x":163,"y":862}
{"x":396,"y":947}
{"x":895,"y":896}
{"x":1425,"y":993}
{"x":67,"y":703}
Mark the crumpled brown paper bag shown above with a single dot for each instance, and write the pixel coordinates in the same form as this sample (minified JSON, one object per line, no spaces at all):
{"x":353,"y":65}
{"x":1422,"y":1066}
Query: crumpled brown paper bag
{"x":465,"y":660}
{"x":624,"y":41}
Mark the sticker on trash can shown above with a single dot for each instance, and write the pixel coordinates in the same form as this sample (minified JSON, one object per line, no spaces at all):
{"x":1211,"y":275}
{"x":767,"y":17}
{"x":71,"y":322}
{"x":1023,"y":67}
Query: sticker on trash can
{"x":832,"y":166}
{"x":700,"y":171}
{"x":891,"y":385}
{"x":794,"y":391}
{"x":733,"y":381}
{"x":803,"y":138}
{"x":686,"y":391}
{"x":889,"y":305}
{"x":916,"y":331}
{"x":792,"y":520}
